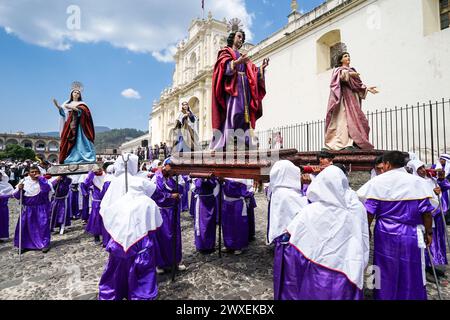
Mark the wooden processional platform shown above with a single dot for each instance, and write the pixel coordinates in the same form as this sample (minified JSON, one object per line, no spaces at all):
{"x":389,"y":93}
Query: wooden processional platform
{"x":256,"y":164}
{"x":73,"y":169}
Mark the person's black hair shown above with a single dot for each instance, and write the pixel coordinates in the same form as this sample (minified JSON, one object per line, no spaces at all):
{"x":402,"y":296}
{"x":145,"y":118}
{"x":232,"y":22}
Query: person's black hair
{"x":395,"y":158}
{"x":106,"y":165}
{"x":324,"y":155}
{"x":71,"y":96}
{"x":232,"y":35}
{"x":342,"y":167}
{"x":339,"y":59}
{"x":378,"y":160}
{"x":34,"y":167}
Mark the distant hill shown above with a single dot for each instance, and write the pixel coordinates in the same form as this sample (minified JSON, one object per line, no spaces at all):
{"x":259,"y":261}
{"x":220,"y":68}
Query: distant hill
{"x":115,"y":137}
{"x":99,"y":129}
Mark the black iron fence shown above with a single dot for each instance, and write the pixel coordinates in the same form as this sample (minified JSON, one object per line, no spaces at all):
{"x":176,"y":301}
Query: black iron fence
{"x":420,"y":128}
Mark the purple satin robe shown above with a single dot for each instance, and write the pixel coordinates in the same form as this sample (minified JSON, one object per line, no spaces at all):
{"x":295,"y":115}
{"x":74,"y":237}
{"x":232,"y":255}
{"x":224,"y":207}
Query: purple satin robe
{"x":74,"y":205}
{"x":35,"y":219}
{"x":4,"y":217}
{"x":95,"y":222}
{"x":205,"y":221}
{"x":251,"y":218}
{"x":60,"y":212}
{"x":86,"y":194}
{"x":105,"y":235}
{"x":297,"y":278}
{"x":130,"y":275}
{"x":396,"y":250}
{"x":235,"y":225}
{"x":185,"y":198}
{"x":170,"y":212}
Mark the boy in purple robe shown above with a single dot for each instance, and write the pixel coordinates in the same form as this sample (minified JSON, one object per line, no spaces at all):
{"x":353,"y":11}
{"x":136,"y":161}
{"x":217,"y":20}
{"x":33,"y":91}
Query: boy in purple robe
{"x":168,"y":201}
{"x":74,"y":199}
{"x":85,"y":200}
{"x":438,"y":245}
{"x":131,"y":218}
{"x":326,"y":248}
{"x":185,"y":196}
{"x":6,"y":191}
{"x":204,"y":208}
{"x":235,"y":220}
{"x":34,"y":191}
{"x":109,"y":176}
{"x":60,"y":213}
{"x":400,"y":203}
{"x":95,"y":180}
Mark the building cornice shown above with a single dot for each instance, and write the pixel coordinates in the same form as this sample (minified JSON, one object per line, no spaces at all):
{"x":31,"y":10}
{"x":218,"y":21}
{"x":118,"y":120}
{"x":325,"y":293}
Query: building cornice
{"x":303,"y":30}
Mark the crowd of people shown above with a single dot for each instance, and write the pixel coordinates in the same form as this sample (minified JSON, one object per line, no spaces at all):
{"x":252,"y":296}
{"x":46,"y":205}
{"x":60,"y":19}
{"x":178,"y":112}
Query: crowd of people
{"x":318,"y":227}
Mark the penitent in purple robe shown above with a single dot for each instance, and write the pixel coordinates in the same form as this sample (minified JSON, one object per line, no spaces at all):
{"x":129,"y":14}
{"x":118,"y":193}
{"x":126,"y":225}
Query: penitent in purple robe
{"x":4,"y":217}
{"x":297,"y":278}
{"x":438,"y":246}
{"x":95,"y":222}
{"x":105,"y":235}
{"x":60,"y":212}
{"x":445,"y":187}
{"x":396,"y":250}
{"x":185,"y":198}
{"x":170,"y":212}
{"x":130,"y":275}
{"x":204,"y":207}
{"x":235,"y":215}
{"x":85,"y":201}
{"x":251,"y":217}
{"x":74,"y":205}
{"x":35,"y":219}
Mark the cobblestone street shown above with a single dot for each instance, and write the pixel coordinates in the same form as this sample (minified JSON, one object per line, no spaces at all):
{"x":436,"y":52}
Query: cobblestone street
{"x":73,"y":266}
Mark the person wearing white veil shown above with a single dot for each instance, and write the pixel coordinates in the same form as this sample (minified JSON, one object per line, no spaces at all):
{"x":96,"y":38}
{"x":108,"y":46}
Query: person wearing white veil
{"x":400,"y":204}
{"x":286,"y":199}
{"x":131,"y":218}
{"x":34,"y":191}
{"x":439,"y":243}
{"x":6,"y":191}
{"x":443,"y":164}
{"x":328,"y":248}
{"x":95,"y":181}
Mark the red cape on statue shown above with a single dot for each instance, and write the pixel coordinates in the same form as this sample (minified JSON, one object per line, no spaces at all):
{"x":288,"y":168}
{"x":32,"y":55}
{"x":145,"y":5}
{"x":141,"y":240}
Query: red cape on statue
{"x":69,"y":135}
{"x":223,"y":85}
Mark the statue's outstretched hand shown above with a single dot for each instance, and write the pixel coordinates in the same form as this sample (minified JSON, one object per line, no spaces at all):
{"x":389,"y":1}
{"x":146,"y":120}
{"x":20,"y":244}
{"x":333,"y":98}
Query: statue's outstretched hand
{"x":265,"y":63}
{"x":373,"y":90}
{"x":55,"y":102}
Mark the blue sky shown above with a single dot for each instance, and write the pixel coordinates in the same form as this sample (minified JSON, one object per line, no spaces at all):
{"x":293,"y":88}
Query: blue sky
{"x":39,"y":58}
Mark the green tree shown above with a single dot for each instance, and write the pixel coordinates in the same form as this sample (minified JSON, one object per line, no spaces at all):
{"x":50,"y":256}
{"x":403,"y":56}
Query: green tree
{"x":17,"y":152}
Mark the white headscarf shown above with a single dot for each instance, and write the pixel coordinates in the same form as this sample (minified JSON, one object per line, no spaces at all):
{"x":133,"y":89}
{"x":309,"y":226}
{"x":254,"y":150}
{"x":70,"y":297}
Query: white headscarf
{"x":333,"y":231}
{"x":32,"y":187}
{"x":430,"y":182}
{"x":287,"y":199}
{"x":446,"y":157}
{"x":395,"y":185}
{"x":128,"y":217}
{"x":154,"y":164}
{"x":132,"y":164}
{"x":99,"y":181}
{"x":109,"y":173}
{"x":6,"y":188}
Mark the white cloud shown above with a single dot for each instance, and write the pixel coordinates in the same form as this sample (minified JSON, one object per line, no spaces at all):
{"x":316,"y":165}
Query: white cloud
{"x":144,"y":26}
{"x":130,"y":94}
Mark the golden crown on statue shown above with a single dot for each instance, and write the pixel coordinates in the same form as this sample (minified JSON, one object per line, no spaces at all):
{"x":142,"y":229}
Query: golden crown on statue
{"x":234,"y":25}
{"x":76,"y":85}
